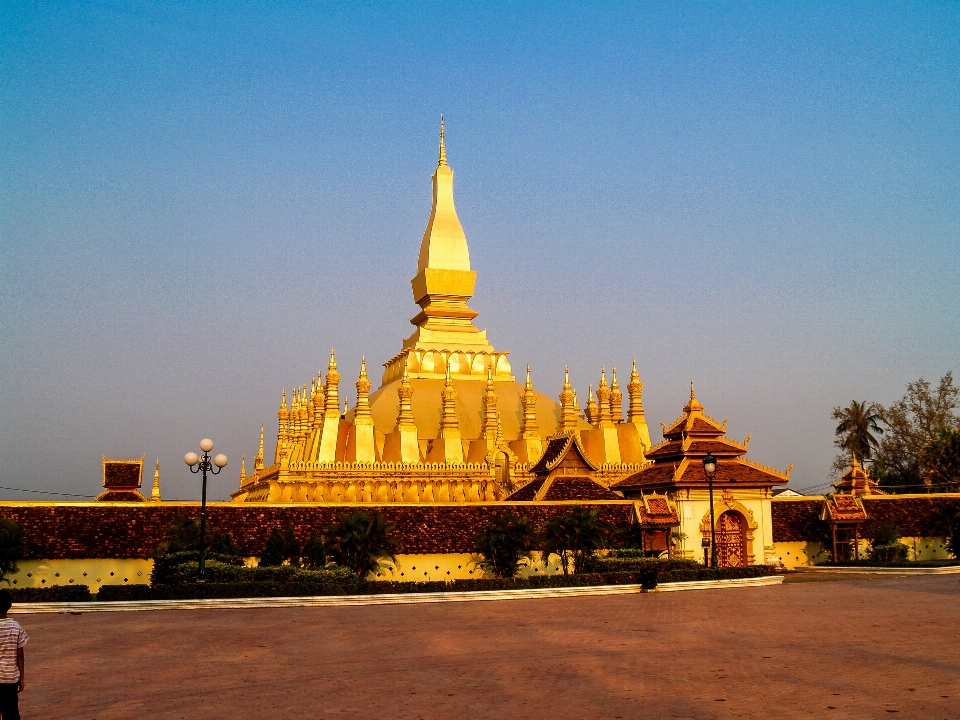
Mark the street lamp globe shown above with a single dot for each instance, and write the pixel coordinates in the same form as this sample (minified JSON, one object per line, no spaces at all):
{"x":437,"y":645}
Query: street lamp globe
{"x":191,"y":459}
{"x":709,"y":465}
{"x":220,"y":460}
{"x":206,"y":444}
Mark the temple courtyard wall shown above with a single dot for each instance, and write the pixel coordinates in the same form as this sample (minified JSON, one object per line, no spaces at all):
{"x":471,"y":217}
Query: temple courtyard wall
{"x":93,"y":543}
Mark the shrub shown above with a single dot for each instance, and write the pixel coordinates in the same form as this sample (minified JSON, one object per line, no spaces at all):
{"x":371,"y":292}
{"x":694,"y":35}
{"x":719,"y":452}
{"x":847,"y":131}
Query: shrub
{"x":945,"y":523}
{"x":291,"y":547}
{"x":198,"y":591}
{"x":362,"y":542}
{"x":54,"y":593}
{"x":183,"y":535}
{"x":505,"y":545}
{"x":574,"y":536}
{"x":885,"y":544}
{"x":168,"y":567}
{"x":315,"y":551}
{"x":273,"y":551}
{"x":12,"y":544}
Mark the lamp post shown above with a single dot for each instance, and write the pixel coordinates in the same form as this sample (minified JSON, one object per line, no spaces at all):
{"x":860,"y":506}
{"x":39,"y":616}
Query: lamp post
{"x":710,"y":469}
{"x":202,"y":464}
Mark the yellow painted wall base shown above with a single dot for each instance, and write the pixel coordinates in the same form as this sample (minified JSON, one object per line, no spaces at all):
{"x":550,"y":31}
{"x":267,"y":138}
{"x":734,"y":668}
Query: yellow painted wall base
{"x":793,"y":554}
{"x":94,"y":573}
{"x":421,"y":568}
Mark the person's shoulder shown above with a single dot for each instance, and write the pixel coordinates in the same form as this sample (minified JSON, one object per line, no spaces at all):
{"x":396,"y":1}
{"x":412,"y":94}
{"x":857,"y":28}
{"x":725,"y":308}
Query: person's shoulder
{"x":10,"y":623}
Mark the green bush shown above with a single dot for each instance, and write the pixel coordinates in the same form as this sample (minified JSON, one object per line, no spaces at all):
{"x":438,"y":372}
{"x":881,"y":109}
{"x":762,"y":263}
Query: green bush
{"x":12,"y":543}
{"x":167,"y":566}
{"x":362,"y":542}
{"x":198,"y":591}
{"x":574,"y":537}
{"x":885,"y":545}
{"x":505,"y":545}
{"x":54,"y":593}
{"x":866,"y":562}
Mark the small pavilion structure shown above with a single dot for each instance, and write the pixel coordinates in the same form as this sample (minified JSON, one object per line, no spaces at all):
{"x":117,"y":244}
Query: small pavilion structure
{"x":564,"y":472}
{"x":121,"y":480}
{"x":846,"y":514}
{"x":742,"y":488}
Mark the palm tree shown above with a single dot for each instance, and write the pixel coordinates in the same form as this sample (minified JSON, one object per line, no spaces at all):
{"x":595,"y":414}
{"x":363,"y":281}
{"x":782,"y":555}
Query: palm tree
{"x":504,"y":545}
{"x":858,"y":428}
{"x":362,"y":542}
{"x":574,"y":537}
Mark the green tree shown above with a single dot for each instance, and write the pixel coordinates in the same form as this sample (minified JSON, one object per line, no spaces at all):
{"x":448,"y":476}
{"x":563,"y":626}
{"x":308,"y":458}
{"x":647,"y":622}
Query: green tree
{"x":857,"y":429}
{"x":574,"y":537}
{"x":505,"y":545}
{"x":885,"y":544}
{"x":315,"y":551}
{"x":945,"y":523}
{"x":13,"y":542}
{"x":913,"y":422}
{"x":273,"y":550}
{"x":291,"y":547}
{"x":183,"y":535}
{"x":362,"y":542}
{"x":941,"y":459}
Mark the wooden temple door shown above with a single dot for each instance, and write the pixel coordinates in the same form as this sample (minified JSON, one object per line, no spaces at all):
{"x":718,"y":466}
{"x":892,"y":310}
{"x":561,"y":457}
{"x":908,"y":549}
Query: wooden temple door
{"x":731,"y":540}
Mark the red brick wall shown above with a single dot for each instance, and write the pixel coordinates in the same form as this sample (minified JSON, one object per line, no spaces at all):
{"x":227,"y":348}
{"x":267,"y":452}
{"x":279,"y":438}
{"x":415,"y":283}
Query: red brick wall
{"x":911,"y":515}
{"x":134,"y":531}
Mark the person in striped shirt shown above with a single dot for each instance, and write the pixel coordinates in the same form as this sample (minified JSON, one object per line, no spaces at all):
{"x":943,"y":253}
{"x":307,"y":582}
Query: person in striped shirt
{"x":12,"y":640}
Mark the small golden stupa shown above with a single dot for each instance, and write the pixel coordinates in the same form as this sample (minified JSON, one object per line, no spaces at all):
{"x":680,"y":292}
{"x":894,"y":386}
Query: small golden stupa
{"x":449,"y":422}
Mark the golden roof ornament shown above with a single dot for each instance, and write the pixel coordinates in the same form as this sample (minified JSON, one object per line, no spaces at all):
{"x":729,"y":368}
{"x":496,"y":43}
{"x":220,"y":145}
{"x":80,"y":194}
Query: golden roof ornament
{"x":155,"y":493}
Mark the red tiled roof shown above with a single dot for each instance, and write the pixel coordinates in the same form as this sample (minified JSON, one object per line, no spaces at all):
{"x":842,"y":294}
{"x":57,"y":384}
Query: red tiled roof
{"x":555,"y":449}
{"x":528,"y":491}
{"x":121,"y":473}
{"x":566,"y":487}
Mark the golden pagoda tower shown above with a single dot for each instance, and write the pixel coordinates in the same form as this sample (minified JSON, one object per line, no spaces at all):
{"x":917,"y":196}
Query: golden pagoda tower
{"x":449,"y":421}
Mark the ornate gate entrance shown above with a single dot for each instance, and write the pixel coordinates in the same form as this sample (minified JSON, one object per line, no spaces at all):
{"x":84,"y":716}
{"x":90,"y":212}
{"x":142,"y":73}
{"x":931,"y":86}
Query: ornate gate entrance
{"x":731,"y":540}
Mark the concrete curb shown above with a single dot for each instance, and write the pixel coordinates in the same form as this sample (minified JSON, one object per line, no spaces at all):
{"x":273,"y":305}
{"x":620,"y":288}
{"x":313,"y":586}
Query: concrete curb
{"x":947,"y":570}
{"x":391,"y":599}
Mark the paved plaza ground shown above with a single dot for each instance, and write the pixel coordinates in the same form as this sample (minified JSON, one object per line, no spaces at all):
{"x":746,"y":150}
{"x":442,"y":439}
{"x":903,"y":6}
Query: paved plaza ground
{"x":852,"y":648}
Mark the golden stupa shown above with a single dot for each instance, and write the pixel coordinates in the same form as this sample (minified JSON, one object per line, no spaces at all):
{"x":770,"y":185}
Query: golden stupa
{"x":449,"y":422}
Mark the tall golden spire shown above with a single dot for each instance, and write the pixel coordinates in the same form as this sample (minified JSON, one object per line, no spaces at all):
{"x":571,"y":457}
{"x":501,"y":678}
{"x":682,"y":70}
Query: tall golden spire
{"x":258,"y":460}
{"x":449,"y":427}
{"x":616,"y":399}
{"x":603,"y":399}
{"x":442,"y":161}
{"x":490,"y":415}
{"x":155,"y":493}
{"x":405,"y":393}
{"x":591,"y":409}
{"x":528,"y":426}
{"x":332,"y":393}
{"x":568,"y":403}
{"x":243,"y":469}
{"x":282,"y":428}
{"x":635,"y":388}
{"x":362,"y":408}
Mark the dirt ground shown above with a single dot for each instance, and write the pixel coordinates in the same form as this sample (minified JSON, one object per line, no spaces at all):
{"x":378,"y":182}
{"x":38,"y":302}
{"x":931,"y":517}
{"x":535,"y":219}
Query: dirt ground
{"x":851,"y":648}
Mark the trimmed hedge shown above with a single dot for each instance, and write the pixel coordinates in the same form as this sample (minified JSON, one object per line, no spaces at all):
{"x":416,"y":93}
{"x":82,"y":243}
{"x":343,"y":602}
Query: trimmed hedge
{"x":54,"y":593}
{"x":648,"y":576}
{"x":196,"y":591}
{"x":893,"y":564}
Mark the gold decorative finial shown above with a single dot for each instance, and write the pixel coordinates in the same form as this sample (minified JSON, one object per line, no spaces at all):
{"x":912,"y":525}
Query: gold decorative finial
{"x":155,"y":494}
{"x":333,"y":360}
{"x":443,"y":148}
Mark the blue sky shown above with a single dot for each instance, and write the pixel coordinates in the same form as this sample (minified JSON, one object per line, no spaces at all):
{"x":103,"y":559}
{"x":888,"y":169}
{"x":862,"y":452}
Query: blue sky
{"x":199,"y":200}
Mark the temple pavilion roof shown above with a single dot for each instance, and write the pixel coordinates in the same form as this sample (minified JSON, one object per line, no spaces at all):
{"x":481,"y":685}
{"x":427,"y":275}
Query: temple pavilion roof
{"x":678,"y":460}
